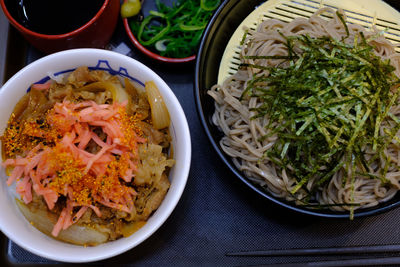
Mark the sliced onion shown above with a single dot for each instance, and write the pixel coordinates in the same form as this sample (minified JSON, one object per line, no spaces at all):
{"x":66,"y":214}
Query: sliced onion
{"x":118,"y":93}
{"x":76,"y":234}
{"x":161,"y":45}
{"x":159,"y":111}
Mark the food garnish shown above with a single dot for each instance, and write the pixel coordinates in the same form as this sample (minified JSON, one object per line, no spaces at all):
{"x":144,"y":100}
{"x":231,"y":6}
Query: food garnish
{"x":174,"y":31}
{"x":329,"y":102}
{"x":130,"y":8}
{"x":86,"y":149}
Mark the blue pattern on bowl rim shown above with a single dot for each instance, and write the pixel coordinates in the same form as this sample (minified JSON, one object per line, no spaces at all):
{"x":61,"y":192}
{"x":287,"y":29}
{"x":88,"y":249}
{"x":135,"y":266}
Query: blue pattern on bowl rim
{"x":102,"y":64}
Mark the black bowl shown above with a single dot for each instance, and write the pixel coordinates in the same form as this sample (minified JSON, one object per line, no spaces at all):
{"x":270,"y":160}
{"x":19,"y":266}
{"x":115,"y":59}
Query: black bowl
{"x":215,"y":38}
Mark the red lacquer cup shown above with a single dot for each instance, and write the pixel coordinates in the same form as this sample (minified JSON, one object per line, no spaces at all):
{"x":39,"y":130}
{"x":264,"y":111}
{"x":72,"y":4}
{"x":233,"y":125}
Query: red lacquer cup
{"x":96,"y":33}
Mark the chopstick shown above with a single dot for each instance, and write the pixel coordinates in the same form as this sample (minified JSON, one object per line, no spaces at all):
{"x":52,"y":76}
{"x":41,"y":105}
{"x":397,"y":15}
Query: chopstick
{"x":394,"y":261}
{"x":317,"y":251}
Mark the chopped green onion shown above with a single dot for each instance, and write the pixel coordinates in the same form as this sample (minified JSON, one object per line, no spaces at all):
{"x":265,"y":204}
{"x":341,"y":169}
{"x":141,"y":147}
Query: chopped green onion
{"x":182,"y":24}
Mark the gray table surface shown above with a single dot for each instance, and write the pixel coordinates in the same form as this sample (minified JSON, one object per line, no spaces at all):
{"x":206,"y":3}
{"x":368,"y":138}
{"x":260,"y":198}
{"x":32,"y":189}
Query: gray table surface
{"x":217,"y":213}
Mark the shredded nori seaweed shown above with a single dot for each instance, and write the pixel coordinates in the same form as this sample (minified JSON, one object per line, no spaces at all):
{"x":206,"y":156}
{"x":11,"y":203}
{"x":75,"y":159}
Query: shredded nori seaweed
{"x":326,"y":106}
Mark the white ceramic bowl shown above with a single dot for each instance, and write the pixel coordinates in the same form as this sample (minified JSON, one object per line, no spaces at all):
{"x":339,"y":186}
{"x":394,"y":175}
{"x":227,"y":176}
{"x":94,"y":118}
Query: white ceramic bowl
{"x":14,"y":225}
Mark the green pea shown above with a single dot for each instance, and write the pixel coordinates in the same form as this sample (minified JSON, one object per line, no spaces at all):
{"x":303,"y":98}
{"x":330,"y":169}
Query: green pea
{"x":130,"y":8}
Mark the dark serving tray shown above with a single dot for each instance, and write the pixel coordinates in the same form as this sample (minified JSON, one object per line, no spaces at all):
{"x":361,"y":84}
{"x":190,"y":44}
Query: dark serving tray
{"x":217,"y":214}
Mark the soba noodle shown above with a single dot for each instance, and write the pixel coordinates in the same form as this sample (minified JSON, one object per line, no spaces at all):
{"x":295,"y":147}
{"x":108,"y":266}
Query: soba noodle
{"x":243,"y":142}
